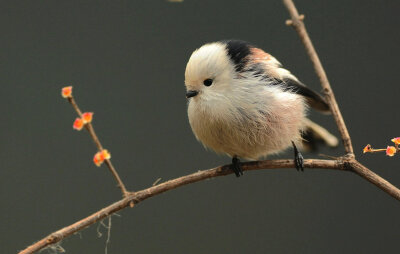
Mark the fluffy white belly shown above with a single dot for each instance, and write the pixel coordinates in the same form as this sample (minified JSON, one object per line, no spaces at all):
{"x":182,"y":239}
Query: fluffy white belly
{"x":248,"y":131}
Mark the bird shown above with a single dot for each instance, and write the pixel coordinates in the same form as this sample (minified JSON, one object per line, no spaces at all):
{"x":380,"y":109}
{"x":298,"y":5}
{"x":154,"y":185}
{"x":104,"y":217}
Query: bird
{"x":243,"y":103}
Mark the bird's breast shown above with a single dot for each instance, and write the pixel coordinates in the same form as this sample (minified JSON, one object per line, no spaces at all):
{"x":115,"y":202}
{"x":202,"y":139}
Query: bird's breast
{"x":248,"y":128}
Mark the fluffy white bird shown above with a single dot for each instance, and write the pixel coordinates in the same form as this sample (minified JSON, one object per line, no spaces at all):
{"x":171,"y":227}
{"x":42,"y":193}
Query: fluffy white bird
{"x":244,"y":104}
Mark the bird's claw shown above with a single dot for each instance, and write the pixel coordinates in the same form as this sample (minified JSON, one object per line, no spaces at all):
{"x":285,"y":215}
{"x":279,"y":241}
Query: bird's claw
{"x":236,"y":167}
{"x":298,"y":159}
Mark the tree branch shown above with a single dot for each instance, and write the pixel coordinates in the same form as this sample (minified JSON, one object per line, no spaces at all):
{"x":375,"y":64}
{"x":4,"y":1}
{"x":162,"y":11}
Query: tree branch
{"x":139,"y":196}
{"x":96,"y":140}
{"x":297,"y":23}
{"x":373,"y":178}
{"x":343,"y":164}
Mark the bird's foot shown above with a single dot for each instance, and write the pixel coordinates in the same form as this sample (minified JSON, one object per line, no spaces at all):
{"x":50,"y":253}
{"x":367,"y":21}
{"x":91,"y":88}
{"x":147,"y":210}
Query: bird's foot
{"x":236,"y":167}
{"x":298,"y":159}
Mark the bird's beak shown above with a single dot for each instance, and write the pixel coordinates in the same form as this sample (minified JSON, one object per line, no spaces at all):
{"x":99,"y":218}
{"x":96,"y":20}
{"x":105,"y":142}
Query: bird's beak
{"x":191,"y":93}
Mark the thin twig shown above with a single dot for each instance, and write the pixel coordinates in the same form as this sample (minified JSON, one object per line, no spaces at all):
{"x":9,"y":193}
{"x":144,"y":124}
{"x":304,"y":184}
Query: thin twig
{"x":297,"y":23}
{"x":90,"y":129}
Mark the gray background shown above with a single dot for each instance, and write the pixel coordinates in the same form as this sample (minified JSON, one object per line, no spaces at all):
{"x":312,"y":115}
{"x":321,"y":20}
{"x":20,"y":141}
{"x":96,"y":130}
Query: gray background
{"x":126,"y":61}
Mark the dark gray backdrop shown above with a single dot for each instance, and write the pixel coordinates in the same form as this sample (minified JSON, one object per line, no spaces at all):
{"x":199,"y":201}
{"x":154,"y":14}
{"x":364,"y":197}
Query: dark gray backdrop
{"x":126,"y":61}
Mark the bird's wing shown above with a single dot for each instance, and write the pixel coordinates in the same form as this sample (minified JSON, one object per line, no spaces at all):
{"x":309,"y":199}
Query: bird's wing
{"x":282,"y":77}
{"x":314,"y":99}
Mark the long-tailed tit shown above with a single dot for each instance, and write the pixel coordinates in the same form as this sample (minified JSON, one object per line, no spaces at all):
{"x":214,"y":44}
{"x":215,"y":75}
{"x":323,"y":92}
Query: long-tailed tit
{"x":244,"y":104}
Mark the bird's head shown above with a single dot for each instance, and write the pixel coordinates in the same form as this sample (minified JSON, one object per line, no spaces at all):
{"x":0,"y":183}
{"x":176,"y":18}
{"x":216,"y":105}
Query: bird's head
{"x":209,"y":72}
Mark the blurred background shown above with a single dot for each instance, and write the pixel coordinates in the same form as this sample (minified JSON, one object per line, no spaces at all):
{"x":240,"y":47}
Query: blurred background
{"x":126,"y":61}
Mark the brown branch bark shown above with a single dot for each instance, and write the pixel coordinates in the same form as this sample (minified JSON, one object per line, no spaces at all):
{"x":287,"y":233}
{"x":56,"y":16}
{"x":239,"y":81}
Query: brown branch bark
{"x":139,"y":196}
{"x":297,"y":23}
{"x":345,"y":163}
{"x":96,"y":140}
{"x":373,"y":178}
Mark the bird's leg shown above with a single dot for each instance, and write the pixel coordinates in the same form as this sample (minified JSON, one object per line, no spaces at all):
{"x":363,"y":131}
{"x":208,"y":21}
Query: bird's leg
{"x":298,"y":158}
{"x":236,"y":166}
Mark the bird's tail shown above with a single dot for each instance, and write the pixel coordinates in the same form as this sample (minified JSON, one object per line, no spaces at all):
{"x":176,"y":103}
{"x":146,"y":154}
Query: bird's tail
{"x":314,"y":134}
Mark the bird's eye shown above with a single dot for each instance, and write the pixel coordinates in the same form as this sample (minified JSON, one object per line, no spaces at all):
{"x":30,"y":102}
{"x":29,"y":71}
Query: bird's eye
{"x":208,"y":82}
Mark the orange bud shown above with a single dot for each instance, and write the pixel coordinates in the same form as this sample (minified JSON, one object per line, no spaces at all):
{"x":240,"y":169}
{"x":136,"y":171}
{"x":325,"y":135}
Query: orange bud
{"x":87,"y":117}
{"x":97,"y":159}
{"x":396,"y":140}
{"x":105,"y":154}
{"x":367,"y":149}
{"x":78,"y":124}
{"x":390,"y":150}
{"x":66,"y":92}
{"x":101,"y":156}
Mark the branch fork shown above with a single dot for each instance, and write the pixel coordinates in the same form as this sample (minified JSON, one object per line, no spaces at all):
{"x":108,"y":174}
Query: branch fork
{"x":289,"y":22}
